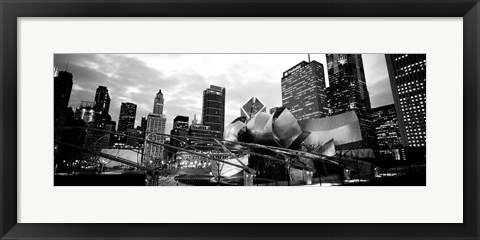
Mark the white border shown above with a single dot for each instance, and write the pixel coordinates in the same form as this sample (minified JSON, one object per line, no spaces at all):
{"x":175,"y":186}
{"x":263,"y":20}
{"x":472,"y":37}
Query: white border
{"x":441,"y":201}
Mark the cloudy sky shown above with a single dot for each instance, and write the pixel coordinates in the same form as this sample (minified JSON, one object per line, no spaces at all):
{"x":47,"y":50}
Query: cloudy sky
{"x":182,"y":78}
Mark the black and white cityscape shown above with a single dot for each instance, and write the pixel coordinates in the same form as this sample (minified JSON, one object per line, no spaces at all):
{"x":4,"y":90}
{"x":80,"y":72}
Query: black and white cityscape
{"x":239,"y":119}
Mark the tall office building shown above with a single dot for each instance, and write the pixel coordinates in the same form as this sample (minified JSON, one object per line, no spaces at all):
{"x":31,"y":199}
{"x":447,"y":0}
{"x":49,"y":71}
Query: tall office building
{"x":102,"y":100}
{"x":180,"y":128}
{"x":156,"y":122}
{"x":252,"y":107}
{"x":348,"y":91}
{"x":158,"y":103}
{"x":154,"y":152}
{"x":143,"y":124}
{"x":213,"y":111}
{"x":62,"y":87}
{"x":126,"y":119}
{"x":303,"y":90}
{"x":386,"y":127}
{"x":408,"y":82}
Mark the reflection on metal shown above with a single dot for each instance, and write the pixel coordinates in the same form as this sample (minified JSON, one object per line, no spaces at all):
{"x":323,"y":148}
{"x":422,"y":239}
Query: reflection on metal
{"x":328,"y":149}
{"x":279,"y":129}
{"x":356,"y":153}
{"x":233,"y":130}
{"x":227,"y":170}
{"x":282,"y":129}
{"x":286,"y":129}
{"x":343,"y":128}
{"x":127,"y":154}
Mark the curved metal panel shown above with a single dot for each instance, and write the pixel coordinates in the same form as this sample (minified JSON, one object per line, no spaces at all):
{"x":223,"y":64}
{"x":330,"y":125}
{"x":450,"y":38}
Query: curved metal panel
{"x":232,"y":131}
{"x":342,"y":128}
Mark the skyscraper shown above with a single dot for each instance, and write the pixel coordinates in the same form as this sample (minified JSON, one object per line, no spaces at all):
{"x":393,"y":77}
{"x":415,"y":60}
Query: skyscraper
{"x":408,"y":82}
{"x":143,"y":124}
{"x":180,"y":128}
{"x":386,"y":127}
{"x":126,"y":119}
{"x":348,"y":91}
{"x":62,"y":87}
{"x":213,"y":111}
{"x":154,"y":152}
{"x":102,"y":100}
{"x":158,"y":103}
{"x":156,"y":122}
{"x":252,"y":107}
{"x":303,"y":90}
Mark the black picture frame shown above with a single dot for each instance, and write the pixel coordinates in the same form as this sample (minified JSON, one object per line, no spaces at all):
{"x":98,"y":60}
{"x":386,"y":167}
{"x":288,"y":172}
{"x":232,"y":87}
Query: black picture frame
{"x":10,"y":10}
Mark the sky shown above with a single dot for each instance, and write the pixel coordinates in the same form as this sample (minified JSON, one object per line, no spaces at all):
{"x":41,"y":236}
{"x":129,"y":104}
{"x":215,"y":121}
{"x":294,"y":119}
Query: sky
{"x":182,"y":78}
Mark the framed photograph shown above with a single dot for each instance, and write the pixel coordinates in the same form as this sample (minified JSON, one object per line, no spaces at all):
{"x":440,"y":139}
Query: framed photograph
{"x":250,"y":120}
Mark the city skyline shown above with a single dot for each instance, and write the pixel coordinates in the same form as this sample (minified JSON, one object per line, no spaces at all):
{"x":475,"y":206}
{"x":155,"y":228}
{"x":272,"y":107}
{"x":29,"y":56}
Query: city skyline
{"x":182,"y":78}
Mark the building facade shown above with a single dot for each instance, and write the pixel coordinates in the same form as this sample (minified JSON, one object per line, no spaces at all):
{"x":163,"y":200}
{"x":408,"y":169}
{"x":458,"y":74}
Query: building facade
{"x":213,"y":110}
{"x":303,"y":90}
{"x":180,"y":128}
{"x":154,"y":152}
{"x":158,"y":103}
{"x":102,"y":100}
{"x":156,"y":123}
{"x":199,"y":134}
{"x":126,"y":119}
{"x":348,"y":91}
{"x":386,"y":127}
{"x":408,"y":82}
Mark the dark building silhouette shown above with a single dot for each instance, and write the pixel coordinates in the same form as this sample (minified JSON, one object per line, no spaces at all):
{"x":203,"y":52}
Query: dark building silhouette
{"x":213,"y":111}
{"x":348,"y":91}
{"x":133,"y":140}
{"x":74,"y":136}
{"x":126,"y":119}
{"x":143,"y":124}
{"x":102,"y":100}
{"x":62,"y":88}
{"x":180,"y":128}
{"x":408,"y":81}
{"x":63,"y":83}
{"x":303,"y":90}
{"x":386,"y":127}
{"x":114,"y":126}
{"x":95,"y":119}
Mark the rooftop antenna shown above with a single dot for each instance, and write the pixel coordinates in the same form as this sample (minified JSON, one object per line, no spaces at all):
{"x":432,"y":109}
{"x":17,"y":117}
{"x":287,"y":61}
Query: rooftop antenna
{"x":308,"y":57}
{"x":66,"y":67}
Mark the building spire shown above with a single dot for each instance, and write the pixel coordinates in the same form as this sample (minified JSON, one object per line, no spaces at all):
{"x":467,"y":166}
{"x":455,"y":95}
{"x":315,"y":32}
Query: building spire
{"x":308,"y":57}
